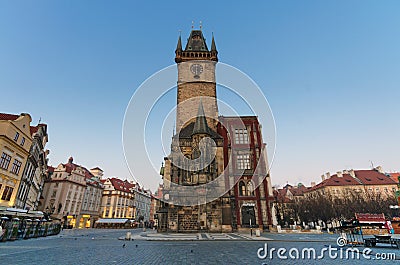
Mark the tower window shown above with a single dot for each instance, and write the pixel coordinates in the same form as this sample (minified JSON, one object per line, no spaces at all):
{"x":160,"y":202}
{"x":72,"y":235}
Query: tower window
{"x":242,"y":188}
{"x":241,"y":136}
{"x":243,"y":161}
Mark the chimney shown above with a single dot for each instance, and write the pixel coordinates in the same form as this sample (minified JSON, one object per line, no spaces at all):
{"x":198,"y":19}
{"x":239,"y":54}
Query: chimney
{"x":328,"y":175}
{"x":339,"y":174}
{"x":352,"y":173}
{"x":345,"y":171}
{"x":379,"y":169}
{"x":323,"y":177}
{"x":312,"y":184}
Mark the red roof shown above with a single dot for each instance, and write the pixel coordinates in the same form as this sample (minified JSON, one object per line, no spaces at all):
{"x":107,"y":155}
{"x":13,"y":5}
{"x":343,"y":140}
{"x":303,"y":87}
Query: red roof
{"x":281,"y":194}
{"x":5,"y":116}
{"x":122,"y":185}
{"x":50,"y":169}
{"x":373,"y":177}
{"x":395,"y":177}
{"x":34,"y":129}
{"x":335,"y":180}
{"x":362,"y":177}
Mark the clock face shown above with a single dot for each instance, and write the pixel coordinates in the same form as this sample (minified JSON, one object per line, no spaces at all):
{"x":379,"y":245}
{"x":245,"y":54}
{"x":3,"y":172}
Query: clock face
{"x":196,"y":69}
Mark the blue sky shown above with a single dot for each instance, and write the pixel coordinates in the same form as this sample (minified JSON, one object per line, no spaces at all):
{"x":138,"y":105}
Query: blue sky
{"x":329,"y":69}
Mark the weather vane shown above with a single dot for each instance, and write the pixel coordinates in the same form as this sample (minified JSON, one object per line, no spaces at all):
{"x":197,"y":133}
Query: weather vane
{"x":201,"y":26}
{"x":192,"y":24}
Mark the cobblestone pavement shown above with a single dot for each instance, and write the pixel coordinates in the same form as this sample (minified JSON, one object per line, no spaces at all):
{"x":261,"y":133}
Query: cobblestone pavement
{"x":103,"y":247}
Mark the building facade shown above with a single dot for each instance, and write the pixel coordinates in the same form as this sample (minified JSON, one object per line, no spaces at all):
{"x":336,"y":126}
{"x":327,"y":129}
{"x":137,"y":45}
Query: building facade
{"x":67,"y":196}
{"x":363,"y":182}
{"x":142,"y":204}
{"x":197,"y":165}
{"x":91,"y":203}
{"x":32,"y":182}
{"x":15,"y":144}
{"x":118,"y":200}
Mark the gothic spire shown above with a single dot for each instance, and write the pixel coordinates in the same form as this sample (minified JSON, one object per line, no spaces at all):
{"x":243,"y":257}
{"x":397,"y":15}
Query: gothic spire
{"x":179,"y":45}
{"x":213,"y":46}
{"x":200,"y":125}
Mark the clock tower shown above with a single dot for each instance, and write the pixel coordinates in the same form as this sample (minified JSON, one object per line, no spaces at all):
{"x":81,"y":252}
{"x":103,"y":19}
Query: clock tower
{"x":212,"y":180}
{"x":196,"y":80}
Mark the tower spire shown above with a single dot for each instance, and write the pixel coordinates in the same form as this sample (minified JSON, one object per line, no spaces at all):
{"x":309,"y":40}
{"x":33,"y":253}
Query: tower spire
{"x":179,"y":45}
{"x":200,"y":125}
{"x":213,"y":46}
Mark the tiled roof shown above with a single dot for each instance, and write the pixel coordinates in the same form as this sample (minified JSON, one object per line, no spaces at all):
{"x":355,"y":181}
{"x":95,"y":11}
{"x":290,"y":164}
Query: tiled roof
{"x":122,"y":185}
{"x":34,"y":129}
{"x":373,"y":177}
{"x":395,"y":176}
{"x":282,"y":194}
{"x":50,"y":169}
{"x":5,"y":116}
{"x":362,"y":177}
{"x":90,"y":178}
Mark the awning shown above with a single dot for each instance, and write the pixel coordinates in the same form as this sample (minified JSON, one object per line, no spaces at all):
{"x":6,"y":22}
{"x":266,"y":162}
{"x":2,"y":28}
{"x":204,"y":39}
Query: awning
{"x":112,"y":221}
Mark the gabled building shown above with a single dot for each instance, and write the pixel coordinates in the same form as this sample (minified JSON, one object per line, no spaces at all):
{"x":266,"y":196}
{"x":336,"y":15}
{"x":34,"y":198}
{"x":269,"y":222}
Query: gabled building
{"x":72,"y":194}
{"x":118,"y":200}
{"x":15,"y":144}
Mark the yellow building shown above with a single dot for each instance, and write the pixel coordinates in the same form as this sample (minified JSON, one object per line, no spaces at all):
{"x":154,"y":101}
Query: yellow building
{"x":15,"y":142}
{"x":370,"y":182}
{"x":118,"y":199}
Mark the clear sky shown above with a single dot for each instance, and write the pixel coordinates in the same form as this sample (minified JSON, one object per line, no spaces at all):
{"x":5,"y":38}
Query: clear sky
{"x":329,"y":69}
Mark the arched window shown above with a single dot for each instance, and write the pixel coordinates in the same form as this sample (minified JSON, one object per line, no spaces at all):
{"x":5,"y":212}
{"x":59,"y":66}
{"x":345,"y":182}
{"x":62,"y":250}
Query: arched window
{"x":250,"y":189}
{"x":242,"y":188}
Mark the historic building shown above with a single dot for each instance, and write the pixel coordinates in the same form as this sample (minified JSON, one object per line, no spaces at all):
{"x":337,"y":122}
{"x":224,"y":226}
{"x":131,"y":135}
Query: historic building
{"x":32,"y":182}
{"x":118,"y":200}
{"x":72,"y":194}
{"x":363,"y":182}
{"x":228,"y":196}
{"x":15,"y":144}
{"x":142,"y":203}
{"x":91,"y":203}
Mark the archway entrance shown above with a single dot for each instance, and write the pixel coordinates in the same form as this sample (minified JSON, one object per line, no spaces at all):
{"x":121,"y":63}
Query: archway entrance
{"x":248,"y":216}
